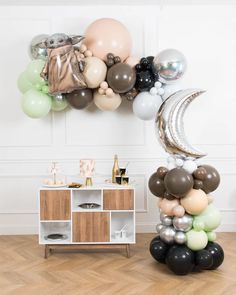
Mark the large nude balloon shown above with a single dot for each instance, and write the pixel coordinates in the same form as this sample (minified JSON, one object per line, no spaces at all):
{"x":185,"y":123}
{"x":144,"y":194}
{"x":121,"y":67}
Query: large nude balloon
{"x":94,"y":72}
{"x":194,"y":202}
{"x":107,"y":35}
{"x":106,"y":103}
{"x":167,"y":206}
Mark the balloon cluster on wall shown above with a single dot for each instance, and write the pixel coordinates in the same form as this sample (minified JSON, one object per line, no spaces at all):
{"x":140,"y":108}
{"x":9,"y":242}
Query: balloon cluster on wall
{"x":97,"y":67}
{"x":186,"y":237}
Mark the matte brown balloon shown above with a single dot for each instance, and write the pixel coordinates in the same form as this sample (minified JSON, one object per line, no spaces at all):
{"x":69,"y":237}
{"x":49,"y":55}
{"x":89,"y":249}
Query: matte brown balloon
{"x":178,"y":182}
{"x":168,"y":196}
{"x":198,"y":184}
{"x":80,"y":98}
{"x":200,"y":173}
{"x":161,"y":172}
{"x":121,"y":77}
{"x":156,"y":185}
{"x":212,"y":179}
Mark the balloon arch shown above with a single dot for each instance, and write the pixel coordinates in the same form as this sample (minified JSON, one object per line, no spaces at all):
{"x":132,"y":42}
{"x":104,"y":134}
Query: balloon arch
{"x":74,"y":70}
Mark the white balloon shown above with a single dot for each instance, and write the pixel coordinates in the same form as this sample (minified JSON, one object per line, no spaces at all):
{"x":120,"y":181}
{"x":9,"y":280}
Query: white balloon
{"x":153,"y":91}
{"x":171,"y":166}
{"x":160,"y":91}
{"x":146,"y":106}
{"x":190,"y":166}
{"x":158,"y":84}
{"x":179,"y":162}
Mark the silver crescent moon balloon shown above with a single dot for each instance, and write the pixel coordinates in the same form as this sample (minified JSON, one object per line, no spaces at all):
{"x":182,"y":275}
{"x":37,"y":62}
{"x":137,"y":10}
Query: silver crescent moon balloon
{"x":170,"y":126}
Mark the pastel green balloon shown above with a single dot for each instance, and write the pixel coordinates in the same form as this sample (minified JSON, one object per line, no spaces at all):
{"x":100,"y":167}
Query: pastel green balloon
{"x":34,"y":70}
{"x":23,"y":83}
{"x":36,"y":104}
{"x":45,"y":89}
{"x":196,"y":240}
{"x":211,"y":236}
{"x":59,"y":105}
{"x":211,"y":218}
{"x":198,"y":224}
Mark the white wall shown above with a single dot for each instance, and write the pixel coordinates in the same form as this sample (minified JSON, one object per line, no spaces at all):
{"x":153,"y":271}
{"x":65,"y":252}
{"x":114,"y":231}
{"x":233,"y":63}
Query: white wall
{"x":206,"y":34}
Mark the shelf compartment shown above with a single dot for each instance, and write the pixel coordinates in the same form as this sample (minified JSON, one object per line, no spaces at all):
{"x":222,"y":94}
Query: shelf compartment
{"x":115,"y":199}
{"x":57,"y":227}
{"x":86,"y":196}
{"x":118,"y":221}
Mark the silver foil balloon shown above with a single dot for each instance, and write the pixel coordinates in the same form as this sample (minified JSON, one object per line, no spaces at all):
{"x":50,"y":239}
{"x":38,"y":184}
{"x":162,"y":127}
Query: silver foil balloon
{"x":167,"y":234}
{"x":165,"y":219}
{"x":170,"y":65}
{"x":170,"y":126}
{"x":34,"y":50}
{"x":180,"y":237}
{"x":159,"y":227}
{"x":184,"y":223}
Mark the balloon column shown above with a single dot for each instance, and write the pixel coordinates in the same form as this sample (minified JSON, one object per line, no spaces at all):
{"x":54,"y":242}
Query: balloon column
{"x":186,"y":237}
{"x":97,"y":67}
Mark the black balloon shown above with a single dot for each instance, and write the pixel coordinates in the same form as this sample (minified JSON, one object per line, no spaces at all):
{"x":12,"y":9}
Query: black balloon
{"x":156,"y":185}
{"x":80,"y":98}
{"x":180,"y":259}
{"x":217,"y":253}
{"x":144,"y":81}
{"x":158,"y":249}
{"x":203,"y":259}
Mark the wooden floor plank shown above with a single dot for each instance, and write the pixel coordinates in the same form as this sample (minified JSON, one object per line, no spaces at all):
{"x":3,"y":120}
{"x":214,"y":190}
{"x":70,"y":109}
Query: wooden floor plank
{"x":24,"y":271}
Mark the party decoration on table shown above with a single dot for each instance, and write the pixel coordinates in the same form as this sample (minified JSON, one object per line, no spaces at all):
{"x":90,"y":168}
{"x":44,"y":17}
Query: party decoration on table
{"x":101,"y":68}
{"x":55,"y":170}
{"x":87,"y":168}
{"x":186,"y":237}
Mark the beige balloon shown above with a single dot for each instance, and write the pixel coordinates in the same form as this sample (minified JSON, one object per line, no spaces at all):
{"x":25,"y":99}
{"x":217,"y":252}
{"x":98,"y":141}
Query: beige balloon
{"x":94,"y":72}
{"x":194,"y":202}
{"x":107,"y":103}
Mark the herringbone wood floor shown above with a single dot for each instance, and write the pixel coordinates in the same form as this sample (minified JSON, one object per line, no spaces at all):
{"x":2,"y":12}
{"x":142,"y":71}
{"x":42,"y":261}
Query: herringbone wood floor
{"x":24,"y":271}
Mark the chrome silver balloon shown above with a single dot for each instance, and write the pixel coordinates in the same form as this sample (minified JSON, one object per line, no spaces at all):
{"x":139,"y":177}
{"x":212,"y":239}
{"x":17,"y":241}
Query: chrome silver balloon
{"x":170,"y":65}
{"x":180,"y":237}
{"x":184,"y":223}
{"x":159,"y":227}
{"x":35,"y":51}
{"x":165,"y":219}
{"x":170,"y":126}
{"x":167,"y":234}
{"x":59,"y":97}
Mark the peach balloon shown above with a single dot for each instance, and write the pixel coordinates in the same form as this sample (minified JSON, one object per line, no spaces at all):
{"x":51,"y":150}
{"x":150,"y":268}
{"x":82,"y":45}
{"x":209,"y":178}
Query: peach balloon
{"x":179,"y":211}
{"x":132,"y":61}
{"x":195,"y":201}
{"x":94,"y":72}
{"x":107,"y":35}
{"x":105,"y":103}
{"x":167,"y":206}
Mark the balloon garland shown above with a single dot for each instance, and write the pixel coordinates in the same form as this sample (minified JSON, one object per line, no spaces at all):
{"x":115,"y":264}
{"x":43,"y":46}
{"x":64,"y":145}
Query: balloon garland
{"x":186,"y":237}
{"x":71,"y":70}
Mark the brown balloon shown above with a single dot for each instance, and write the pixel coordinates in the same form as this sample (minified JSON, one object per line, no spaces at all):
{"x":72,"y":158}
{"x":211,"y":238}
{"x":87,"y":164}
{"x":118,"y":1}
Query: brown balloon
{"x":198,"y":184}
{"x":212,"y":179}
{"x":80,"y":98}
{"x":168,"y":196}
{"x":156,"y":185}
{"x":121,"y":77}
{"x":178,"y":182}
{"x":161,"y":172}
{"x":200,"y":173}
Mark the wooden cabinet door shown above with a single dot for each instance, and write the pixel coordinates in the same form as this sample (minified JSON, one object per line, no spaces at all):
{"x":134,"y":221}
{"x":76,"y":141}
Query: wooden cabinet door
{"x":91,"y":226}
{"x":55,"y":205}
{"x":118,"y":199}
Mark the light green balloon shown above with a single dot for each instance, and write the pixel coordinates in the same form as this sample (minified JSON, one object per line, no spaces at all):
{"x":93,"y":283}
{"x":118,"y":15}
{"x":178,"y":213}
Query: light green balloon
{"x":211,"y":218}
{"x":36,"y":104}
{"x":59,"y":105}
{"x":45,"y":89}
{"x":198,"y":224}
{"x":34,"y":70}
{"x":211,"y":236}
{"x":196,"y":240}
{"x":23,"y":83}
